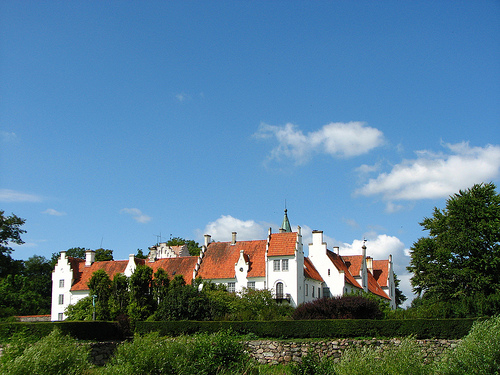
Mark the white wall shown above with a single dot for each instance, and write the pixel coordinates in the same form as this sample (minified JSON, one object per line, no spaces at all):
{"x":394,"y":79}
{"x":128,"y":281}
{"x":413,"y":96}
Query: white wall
{"x":62,"y":274}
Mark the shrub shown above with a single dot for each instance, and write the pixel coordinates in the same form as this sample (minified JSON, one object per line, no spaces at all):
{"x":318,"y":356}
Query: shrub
{"x":200,"y":354}
{"x":312,"y":364}
{"x":405,"y":358}
{"x":478,"y":353}
{"x":53,"y":355}
{"x":345,"y":307}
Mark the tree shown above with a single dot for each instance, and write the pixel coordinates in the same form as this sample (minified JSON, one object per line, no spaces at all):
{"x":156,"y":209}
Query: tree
{"x":119,"y":299}
{"x":100,"y":287}
{"x":140,"y":254}
{"x":10,"y":232}
{"x":103,"y":255}
{"x":460,"y":259}
{"x":142,"y":304}
{"x":399,"y":298}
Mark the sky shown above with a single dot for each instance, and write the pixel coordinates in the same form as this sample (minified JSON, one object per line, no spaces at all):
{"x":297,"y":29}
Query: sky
{"x":127,"y":122}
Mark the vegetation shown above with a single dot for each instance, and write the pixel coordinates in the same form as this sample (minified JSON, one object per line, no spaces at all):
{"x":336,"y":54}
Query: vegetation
{"x":345,"y":307}
{"x":456,"y":269}
{"x":194,"y":247}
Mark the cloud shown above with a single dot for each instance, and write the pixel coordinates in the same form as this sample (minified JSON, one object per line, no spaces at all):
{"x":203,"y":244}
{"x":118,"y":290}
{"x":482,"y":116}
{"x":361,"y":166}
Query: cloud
{"x":51,"y":211}
{"x":436,"y":175}
{"x":222,"y":228}
{"x":182,"y":97}
{"x":136,"y":214}
{"x":8,"y":137}
{"x":343,"y":140}
{"x":7,"y":195}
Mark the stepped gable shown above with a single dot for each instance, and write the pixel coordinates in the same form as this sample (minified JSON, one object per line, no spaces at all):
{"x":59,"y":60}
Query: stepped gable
{"x":111,"y":267}
{"x":340,"y":264}
{"x":176,"y":266}
{"x":310,"y":271}
{"x":282,"y":244}
{"x":220,"y":257}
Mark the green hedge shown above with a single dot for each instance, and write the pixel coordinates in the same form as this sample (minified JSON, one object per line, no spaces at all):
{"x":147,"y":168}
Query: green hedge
{"x":95,"y":331}
{"x":348,"y":328}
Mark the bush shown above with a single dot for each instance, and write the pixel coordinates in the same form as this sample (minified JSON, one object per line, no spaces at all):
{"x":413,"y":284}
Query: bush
{"x":201,"y":354}
{"x":53,"y":355}
{"x":478,"y":353}
{"x":345,"y":307}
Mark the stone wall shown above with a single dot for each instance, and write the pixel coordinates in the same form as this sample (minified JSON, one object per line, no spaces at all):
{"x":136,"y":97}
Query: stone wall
{"x":275,"y":352}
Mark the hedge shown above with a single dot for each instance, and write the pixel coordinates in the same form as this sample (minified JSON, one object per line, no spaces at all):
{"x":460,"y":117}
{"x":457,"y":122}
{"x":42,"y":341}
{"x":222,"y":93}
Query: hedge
{"x":342,"y":328}
{"x":95,"y":331}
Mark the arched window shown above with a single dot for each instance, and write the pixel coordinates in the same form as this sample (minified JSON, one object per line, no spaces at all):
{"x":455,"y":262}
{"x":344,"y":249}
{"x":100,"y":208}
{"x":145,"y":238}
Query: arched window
{"x":279,"y":290}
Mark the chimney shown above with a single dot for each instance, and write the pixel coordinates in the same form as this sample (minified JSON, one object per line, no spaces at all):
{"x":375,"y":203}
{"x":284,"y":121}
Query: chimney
{"x":317,"y":236}
{"x":89,"y":257}
{"x":233,"y":241}
{"x":208,"y":238}
{"x":336,"y":250}
{"x":131,"y":258}
{"x":369,"y":264}
{"x":152,"y":254}
{"x":364,"y":269}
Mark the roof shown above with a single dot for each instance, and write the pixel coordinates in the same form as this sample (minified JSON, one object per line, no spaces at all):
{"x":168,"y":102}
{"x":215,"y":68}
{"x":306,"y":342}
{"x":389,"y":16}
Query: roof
{"x":310,"y":271}
{"x":339,"y":263}
{"x":286,"y":223}
{"x":282,"y":244}
{"x":375,"y":288}
{"x":381,"y":271}
{"x":220,"y":257}
{"x":82,"y":274}
{"x":353,"y":263}
{"x":176,"y":266}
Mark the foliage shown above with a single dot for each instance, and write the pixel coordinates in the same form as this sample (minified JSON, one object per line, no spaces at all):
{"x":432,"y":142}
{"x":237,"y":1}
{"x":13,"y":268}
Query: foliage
{"x":10,"y":232}
{"x":142,"y":303}
{"x":200,"y":354}
{"x":399,"y":296}
{"x":82,"y":310}
{"x":258,"y":305}
{"x":312,"y":364}
{"x":119,"y":298}
{"x":140,"y":254}
{"x":54,"y":354}
{"x":344,"y":307}
{"x":460,"y":260}
{"x":478,"y":353}
{"x":405,"y":358}
{"x":103,"y":255}
{"x":100,"y":287}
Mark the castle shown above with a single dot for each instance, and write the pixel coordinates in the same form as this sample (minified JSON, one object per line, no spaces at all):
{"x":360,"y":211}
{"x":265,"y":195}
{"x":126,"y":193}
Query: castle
{"x":276,"y":263}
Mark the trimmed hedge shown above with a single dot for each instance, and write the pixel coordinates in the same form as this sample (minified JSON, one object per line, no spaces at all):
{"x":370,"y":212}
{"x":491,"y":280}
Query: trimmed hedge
{"x":95,"y":331}
{"x":342,"y":328}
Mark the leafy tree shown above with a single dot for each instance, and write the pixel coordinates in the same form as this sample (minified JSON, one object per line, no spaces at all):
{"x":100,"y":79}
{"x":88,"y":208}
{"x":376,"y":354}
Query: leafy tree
{"x":10,"y":232}
{"x":142,"y":303}
{"x":100,"y":287}
{"x":399,"y":297}
{"x":103,"y":255}
{"x":160,"y":285}
{"x":119,"y":298}
{"x":460,"y":259}
{"x":140,"y":254}
{"x":82,"y":310}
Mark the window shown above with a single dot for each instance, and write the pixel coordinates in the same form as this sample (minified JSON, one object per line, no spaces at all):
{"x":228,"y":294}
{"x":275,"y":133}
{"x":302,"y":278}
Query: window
{"x":319,"y":292}
{"x":313,"y":291}
{"x":279,"y":291}
{"x":61,"y":283}
{"x":307,"y":289}
{"x":284,"y":265}
{"x":251,"y":285}
{"x":231,"y":287}
{"x":61,"y":299}
{"x":60,"y":316}
{"x":328,"y":271}
{"x":276,"y":265}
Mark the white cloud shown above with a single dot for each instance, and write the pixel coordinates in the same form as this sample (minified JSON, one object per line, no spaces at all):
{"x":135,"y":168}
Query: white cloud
{"x":222,"y":228}
{"x":8,"y":137}
{"x":51,"y":211}
{"x":7,"y":195}
{"x":377,"y":246}
{"x":433,"y":175}
{"x":136,"y":214}
{"x":336,"y":139}
{"x":182,"y":97}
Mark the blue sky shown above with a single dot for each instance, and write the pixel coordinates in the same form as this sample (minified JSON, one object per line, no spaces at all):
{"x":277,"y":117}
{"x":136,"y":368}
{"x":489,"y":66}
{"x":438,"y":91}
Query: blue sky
{"x":121,"y":120}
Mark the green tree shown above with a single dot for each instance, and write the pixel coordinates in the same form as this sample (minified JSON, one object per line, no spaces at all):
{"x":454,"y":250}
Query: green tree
{"x":140,"y":254}
{"x":103,"y":255}
{"x":460,"y":259}
{"x":142,"y":303}
{"x":10,"y":232}
{"x":100,"y":287}
{"x":399,"y":297}
{"x":119,"y":298}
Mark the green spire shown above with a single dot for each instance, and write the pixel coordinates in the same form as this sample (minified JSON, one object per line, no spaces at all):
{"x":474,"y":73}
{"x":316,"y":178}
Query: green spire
{"x":285,"y":227}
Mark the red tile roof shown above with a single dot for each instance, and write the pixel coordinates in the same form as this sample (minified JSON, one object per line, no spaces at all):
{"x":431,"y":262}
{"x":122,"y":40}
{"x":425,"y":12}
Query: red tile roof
{"x":310,"y":271}
{"x":82,"y":274}
{"x":381,"y":271}
{"x":220,"y":257}
{"x":176,"y":266}
{"x":282,"y":244}
{"x":338,"y":262}
{"x":353,"y":263}
{"x":375,"y":288}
